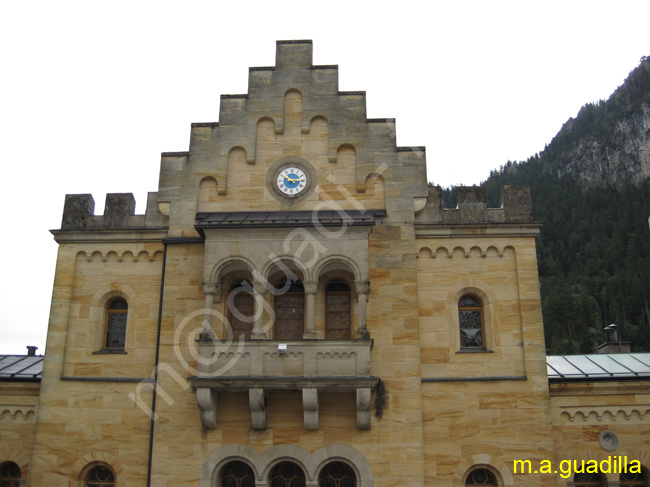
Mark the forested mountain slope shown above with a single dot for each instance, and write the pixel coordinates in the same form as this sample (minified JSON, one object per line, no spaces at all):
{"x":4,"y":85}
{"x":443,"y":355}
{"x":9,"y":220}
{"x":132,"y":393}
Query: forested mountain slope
{"x":591,"y":189}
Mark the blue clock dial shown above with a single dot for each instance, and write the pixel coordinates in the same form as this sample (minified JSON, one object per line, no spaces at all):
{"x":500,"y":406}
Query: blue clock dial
{"x":292,"y":181}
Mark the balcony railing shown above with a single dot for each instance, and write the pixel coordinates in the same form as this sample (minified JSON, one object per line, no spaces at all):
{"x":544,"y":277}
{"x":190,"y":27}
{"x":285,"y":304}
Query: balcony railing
{"x":312,"y":367}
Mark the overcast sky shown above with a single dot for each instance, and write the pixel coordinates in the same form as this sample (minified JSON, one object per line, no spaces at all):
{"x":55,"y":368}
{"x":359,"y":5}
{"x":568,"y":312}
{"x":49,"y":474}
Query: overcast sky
{"x":93,"y":92}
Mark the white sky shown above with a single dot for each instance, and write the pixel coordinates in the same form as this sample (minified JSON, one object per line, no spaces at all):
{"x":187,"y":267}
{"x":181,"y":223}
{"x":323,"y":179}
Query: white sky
{"x":92,"y":92}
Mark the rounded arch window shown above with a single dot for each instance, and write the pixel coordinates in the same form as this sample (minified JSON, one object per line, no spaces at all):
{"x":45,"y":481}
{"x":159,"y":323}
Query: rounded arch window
{"x":100,"y":476}
{"x":638,"y":479}
{"x":482,"y":477}
{"x":10,"y":474}
{"x":241,"y":309}
{"x":337,"y":310}
{"x":337,"y":474}
{"x":584,"y":479}
{"x":470,"y":321}
{"x":289,"y":309}
{"x":287,"y":474}
{"x":237,"y":474}
{"x":116,"y":314}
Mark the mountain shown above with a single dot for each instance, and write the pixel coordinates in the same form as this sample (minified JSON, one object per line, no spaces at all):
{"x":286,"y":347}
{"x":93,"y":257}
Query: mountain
{"x":590,"y":187}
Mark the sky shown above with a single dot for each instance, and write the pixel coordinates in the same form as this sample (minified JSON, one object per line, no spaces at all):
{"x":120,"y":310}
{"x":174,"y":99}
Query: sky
{"x":91,"y":92}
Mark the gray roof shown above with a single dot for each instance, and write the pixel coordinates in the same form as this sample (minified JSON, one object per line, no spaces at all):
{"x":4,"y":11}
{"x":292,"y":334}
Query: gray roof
{"x":598,"y":366}
{"x":283,"y":219}
{"x":21,"y":367}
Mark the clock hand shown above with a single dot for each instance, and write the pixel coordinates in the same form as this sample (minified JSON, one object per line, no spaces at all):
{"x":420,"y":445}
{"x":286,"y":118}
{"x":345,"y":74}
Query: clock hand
{"x":293,"y":180}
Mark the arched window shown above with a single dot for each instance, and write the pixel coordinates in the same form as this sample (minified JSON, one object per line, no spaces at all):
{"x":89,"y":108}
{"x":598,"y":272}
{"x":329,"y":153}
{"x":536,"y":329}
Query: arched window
{"x":639,"y":479}
{"x":9,"y":475}
{"x":289,"y":310}
{"x":287,"y":474}
{"x":237,"y":474}
{"x":116,"y":313}
{"x":482,"y":477}
{"x":100,"y":476}
{"x":584,"y":479}
{"x":337,"y":474}
{"x":241,"y":310}
{"x":337,"y":310}
{"x":470,"y":318}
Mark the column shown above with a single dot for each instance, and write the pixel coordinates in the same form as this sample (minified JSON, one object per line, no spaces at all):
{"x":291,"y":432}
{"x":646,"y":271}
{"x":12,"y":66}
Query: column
{"x":212,"y":292}
{"x":362,"y":288}
{"x":310,"y":295}
{"x":259,"y":290}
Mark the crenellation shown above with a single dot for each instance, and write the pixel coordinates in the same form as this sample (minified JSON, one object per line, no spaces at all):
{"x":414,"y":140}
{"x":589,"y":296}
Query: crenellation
{"x":472,"y":207}
{"x":119,"y":213}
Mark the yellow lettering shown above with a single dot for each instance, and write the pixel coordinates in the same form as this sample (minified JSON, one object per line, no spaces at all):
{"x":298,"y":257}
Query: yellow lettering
{"x":635,"y":466}
{"x":606,"y":465}
{"x":545,"y":466}
{"x":565,"y":468}
{"x":592,"y":466}
{"x":523,"y":464}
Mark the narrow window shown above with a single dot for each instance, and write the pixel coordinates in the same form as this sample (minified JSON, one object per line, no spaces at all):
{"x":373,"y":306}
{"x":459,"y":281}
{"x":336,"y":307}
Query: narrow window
{"x":337,"y":474}
{"x":9,"y":475}
{"x":482,"y":477}
{"x":241,"y":310}
{"x":639,"y":479}
{"x":289,"y":310}
{"x":116,"y":314}
{"x":337,"y":310}
{"x":100,"y":476}
{"x":470,"y":317}
{"x":287,"y":474}
{"x":237,"y":474}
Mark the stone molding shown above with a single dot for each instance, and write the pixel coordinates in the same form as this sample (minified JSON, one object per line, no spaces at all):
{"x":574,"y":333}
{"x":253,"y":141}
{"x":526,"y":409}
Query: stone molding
{"x":18,"y":413}
{"x":606,"y":414}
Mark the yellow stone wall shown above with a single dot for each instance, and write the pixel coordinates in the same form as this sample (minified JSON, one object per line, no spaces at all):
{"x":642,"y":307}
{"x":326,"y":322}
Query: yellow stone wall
{"x":487,"y":407}
{"x":582,"y":411}
{"x":18,"y":409}
{"x":83,"y":417}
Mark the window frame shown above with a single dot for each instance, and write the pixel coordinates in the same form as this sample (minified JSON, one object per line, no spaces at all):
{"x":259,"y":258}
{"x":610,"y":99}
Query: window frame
{"x":6,"y":477}
{"x":279,"y":286}
{"x":230,"y":304}
{"x":490,"y":473}
{"x":90,"y":469}
{"x":107,"y":316}
{"x":347,"y":293}
{"x":480,"y":308}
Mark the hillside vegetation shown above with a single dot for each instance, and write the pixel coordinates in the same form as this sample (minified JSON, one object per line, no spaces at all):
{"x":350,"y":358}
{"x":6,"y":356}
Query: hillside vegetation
{"x":591,"y":189}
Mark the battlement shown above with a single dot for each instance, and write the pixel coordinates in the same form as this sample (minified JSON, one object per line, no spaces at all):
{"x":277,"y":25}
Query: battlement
{"x":119,"y":213}
{"x":472,"y":207}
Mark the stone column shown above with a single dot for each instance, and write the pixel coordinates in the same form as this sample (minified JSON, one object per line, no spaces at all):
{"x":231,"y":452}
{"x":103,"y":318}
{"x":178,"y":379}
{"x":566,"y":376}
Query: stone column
{"x":259,"y":291}
{"x":212,"y":292}
{"x":310,"y":294}
{"x":362,"y":288}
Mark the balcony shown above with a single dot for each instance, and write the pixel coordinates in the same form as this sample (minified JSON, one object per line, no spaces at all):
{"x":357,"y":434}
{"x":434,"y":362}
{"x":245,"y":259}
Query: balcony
{"x":311,"y":366}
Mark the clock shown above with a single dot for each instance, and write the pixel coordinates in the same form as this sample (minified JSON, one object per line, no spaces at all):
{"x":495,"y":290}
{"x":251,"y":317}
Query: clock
{"x":291,"y":181}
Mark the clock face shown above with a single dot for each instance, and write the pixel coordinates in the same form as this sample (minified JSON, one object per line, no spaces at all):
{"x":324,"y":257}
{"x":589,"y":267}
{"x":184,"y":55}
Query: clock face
{"x":292,"y":181}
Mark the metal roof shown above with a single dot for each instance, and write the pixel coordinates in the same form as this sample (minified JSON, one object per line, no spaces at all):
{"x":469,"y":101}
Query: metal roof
{"x":598,"y":366}
{"x":21,"y":367}
{"x":270,"y":219}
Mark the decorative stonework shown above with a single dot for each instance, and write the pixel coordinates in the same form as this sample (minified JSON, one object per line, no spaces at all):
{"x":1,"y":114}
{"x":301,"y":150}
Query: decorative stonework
{"x":608,"y":440}
{"x":606,"y":414}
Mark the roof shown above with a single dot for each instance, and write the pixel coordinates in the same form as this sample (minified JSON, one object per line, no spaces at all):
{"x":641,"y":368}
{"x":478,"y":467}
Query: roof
{"x":598,"y":366}
{"x":21,"y":367}
{"x":270,"y":219}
